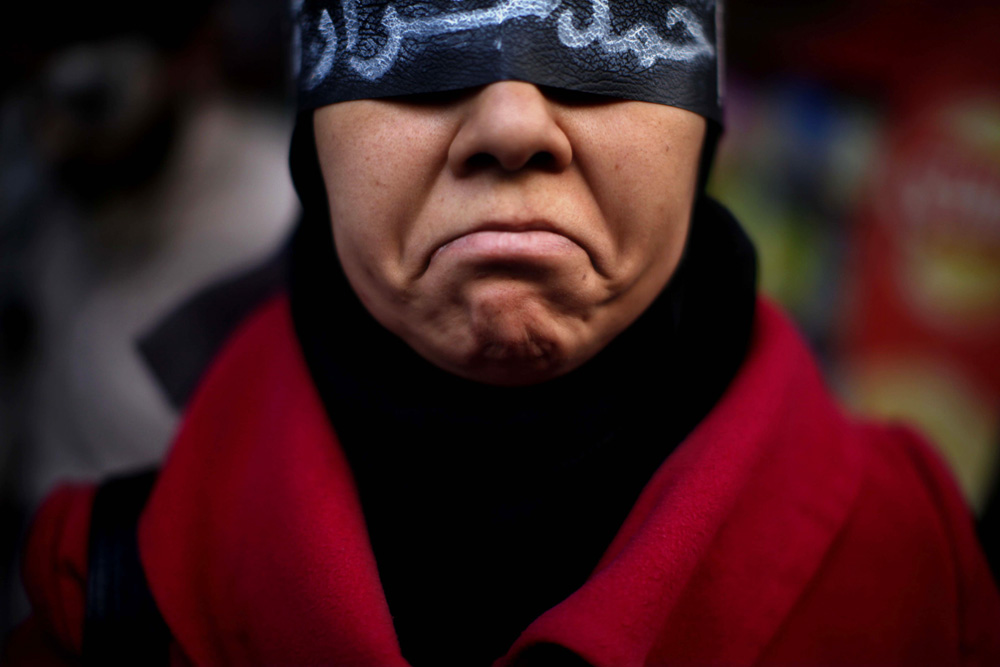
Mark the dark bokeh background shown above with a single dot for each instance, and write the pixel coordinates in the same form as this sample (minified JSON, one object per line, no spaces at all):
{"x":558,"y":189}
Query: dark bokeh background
{"x":142,"y":154}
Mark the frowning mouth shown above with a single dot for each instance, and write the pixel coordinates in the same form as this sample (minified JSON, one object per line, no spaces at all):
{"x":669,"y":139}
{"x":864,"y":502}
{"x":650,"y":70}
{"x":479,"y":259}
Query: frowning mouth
{"x":507,"y":243}
{"x":502,"y":243}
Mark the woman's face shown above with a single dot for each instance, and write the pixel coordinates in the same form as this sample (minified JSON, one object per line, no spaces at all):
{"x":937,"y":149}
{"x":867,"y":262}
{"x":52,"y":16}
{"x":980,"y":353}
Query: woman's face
{"x":507,"y":233}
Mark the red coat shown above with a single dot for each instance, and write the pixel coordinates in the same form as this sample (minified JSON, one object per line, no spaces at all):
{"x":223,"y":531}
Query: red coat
{"x":779,"y":532}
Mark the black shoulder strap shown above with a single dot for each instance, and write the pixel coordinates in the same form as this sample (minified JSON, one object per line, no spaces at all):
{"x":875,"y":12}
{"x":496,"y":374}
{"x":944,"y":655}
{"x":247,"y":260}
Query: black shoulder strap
{"x":122,"y":624}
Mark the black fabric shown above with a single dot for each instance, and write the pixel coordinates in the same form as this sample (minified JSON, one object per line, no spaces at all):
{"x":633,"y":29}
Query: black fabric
{"x":488,"y":505}
{"x":988,"y":528}
{"x":122,"y":624}
{"x":548,"y":655}
{"x":662,"y":52}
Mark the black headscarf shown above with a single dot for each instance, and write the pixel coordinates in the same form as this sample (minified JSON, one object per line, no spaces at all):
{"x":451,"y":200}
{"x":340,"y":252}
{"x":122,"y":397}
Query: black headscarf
{"x":488,"y":505}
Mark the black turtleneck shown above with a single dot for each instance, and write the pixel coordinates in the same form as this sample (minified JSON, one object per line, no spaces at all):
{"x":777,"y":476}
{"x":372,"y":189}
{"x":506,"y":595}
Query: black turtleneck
{"x":488,"y":505}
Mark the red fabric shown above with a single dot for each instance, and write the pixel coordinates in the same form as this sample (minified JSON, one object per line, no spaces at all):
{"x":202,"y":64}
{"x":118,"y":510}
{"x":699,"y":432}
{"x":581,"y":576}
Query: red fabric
{"x":54,"y":570}
{"x":779,"y":532}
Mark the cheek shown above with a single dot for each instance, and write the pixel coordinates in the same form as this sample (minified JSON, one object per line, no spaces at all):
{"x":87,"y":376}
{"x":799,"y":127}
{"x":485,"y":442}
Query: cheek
{"x":643,"y":177}
{"x":380,"y":187}
{"x":645,"y":196}
{"x":374,"y":196}
{"x":359,"y":231}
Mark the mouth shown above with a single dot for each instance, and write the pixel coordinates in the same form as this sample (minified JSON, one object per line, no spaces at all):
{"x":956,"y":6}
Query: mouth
{"x":508,"y":243}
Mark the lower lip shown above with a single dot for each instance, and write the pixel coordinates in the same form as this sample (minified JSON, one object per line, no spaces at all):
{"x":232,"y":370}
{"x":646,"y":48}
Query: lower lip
{"x":498,"y":245}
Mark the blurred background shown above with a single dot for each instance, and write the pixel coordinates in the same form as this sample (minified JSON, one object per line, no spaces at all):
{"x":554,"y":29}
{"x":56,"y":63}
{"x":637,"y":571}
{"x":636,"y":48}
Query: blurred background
{"x":143,"y":155}
{"x":862,"y":154}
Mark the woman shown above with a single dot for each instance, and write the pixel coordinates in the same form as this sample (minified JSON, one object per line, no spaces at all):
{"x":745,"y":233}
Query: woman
{"x":518,"y":403}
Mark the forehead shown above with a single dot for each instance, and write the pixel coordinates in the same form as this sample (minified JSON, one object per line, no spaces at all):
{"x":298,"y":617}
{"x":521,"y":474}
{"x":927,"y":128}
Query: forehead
{"x":649,"y":50}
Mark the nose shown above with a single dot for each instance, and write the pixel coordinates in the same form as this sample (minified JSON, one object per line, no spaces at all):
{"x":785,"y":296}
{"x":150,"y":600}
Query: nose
{"x":512,"y":125}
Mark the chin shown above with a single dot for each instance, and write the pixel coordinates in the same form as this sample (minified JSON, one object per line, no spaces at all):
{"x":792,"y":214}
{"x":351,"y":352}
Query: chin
{"x":514,"y":342}
{"x":500,"y":330}
{"x":528,"y":359}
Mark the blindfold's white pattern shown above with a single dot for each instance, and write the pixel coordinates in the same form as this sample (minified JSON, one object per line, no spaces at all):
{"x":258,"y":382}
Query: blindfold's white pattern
{"x":641,"y":40}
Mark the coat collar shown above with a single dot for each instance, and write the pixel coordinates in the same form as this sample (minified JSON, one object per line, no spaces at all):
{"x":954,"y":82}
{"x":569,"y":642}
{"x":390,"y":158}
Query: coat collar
{"x":256,"y":548}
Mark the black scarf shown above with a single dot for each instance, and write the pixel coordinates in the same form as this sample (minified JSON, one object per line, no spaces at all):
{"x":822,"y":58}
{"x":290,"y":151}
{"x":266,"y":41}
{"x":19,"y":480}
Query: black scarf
{"x":487,"y":505}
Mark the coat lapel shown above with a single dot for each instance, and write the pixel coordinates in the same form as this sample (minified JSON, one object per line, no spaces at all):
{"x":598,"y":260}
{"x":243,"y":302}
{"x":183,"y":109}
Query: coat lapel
{"x":254,"y":541}
{"x":730,"y":530}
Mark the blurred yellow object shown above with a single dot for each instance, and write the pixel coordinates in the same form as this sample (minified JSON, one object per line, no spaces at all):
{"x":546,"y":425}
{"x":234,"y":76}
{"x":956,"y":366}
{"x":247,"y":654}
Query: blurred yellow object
{"x":953,"y":283}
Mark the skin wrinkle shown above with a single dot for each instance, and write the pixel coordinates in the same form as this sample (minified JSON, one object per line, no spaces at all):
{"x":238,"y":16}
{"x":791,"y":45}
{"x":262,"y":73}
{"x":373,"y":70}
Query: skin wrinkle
{"x":405,"y":178}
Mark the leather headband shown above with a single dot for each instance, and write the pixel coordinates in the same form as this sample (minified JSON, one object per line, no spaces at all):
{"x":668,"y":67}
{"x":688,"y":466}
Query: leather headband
{"x":650,"y":50}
